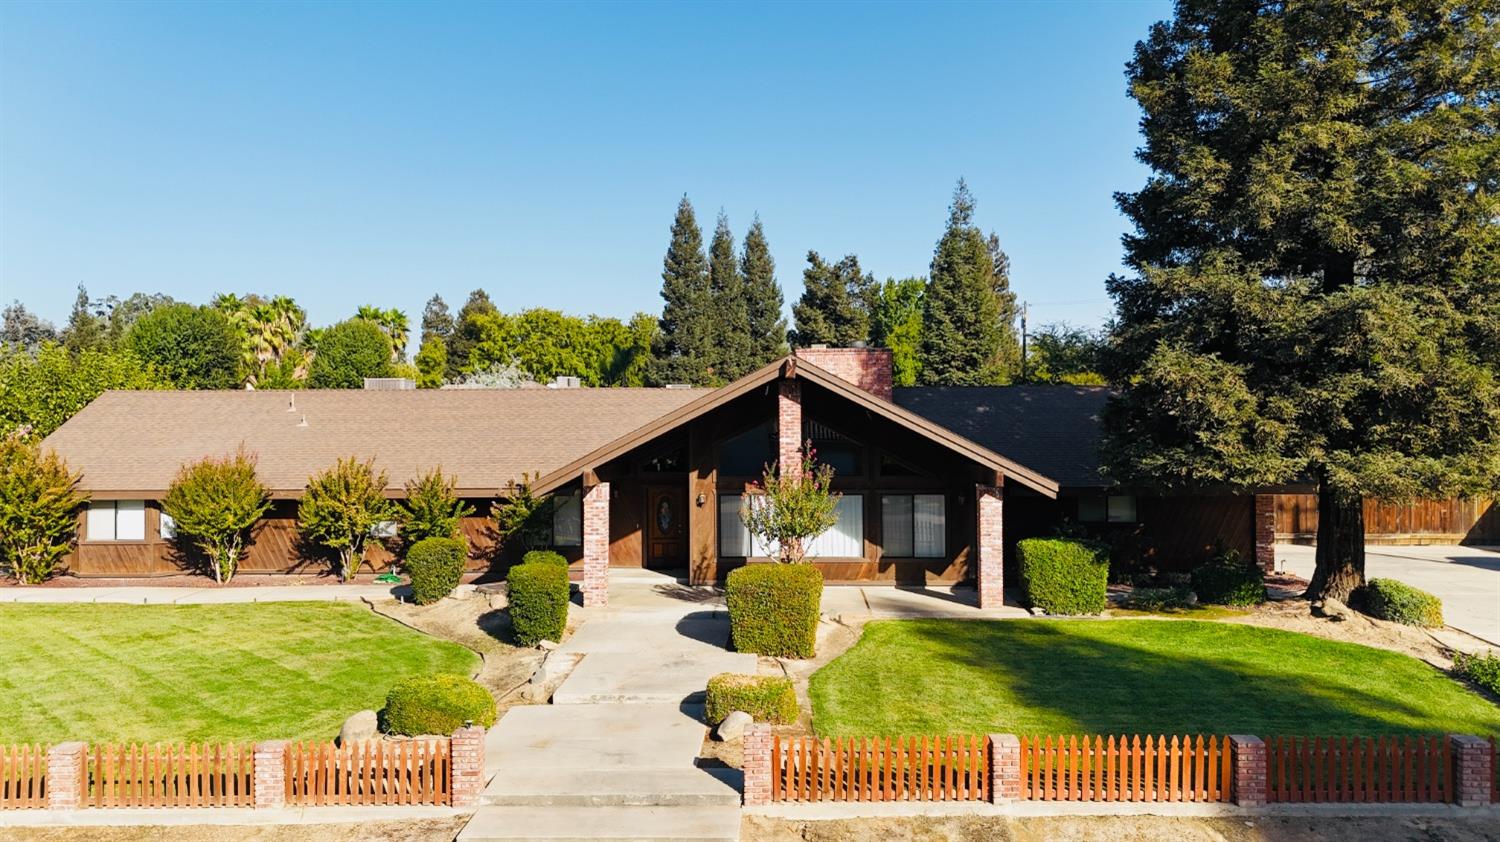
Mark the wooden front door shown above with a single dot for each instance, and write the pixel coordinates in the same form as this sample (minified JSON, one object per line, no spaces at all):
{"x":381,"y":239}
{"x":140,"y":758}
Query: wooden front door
{"x":666,"y":528}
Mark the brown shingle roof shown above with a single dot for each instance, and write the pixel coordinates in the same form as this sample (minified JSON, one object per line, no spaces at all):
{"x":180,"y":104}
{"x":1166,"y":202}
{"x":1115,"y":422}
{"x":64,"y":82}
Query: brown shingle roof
{"x":136,"y":441}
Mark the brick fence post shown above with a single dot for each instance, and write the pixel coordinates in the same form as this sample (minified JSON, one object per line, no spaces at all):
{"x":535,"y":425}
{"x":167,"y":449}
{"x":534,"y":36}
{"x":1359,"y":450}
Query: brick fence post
{"x":1473,"y":770}
{"x":756,"y":747}
{"x":1265,"y":532}
{"x":65,"y":763}
{"x":269,"y":787}
{"x":1248,"y":755}
{"x":1005,"y":768}
{"x":468,"y":766}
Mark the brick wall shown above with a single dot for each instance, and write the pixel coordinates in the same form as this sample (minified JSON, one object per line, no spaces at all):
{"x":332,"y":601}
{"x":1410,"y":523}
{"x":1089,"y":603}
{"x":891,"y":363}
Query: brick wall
{"x":757,"y":764}
{"x":1248,"y":756}
{"x":789,"y":427}
{"x":596,"y":546}
{"x":468,"y":766}
{"x":1265,"y":532}
{"x":990,"y":577}
{"x":867,"y":368}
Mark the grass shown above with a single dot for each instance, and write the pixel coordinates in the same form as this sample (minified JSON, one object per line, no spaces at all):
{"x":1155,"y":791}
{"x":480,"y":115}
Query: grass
{"x":1187,"y":612}
{"x":203,"y":672}
{"x":907,"y":677}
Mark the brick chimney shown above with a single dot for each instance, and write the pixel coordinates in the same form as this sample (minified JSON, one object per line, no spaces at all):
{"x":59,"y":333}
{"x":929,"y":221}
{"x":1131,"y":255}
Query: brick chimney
{"x":867,"y":368}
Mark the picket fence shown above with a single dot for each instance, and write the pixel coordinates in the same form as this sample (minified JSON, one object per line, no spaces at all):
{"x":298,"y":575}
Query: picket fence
{"x":1370,"y":769}
{"x":182,"y":775}
{"x":23,"y":777}
{"x":880,"y":769}
{"x":1126,"y":768}
{"x":369,"y":773}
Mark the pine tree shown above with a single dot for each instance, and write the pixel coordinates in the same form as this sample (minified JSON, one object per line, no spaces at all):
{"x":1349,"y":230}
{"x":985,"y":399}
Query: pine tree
{"x":87,"y":329}
{"x":466,"y":332}
{"x":731,"y":315}
{"x":966,"y":337}
{"x":763,"y":301}
{"x":835,"y":305}
{"x":437,"y":322}
{"x":684,"y":349}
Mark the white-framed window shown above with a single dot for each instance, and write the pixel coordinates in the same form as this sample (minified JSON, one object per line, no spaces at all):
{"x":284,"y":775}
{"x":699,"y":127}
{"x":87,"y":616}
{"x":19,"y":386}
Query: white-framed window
{"x":735,"y":540}
{"x":168,"y":527}
{"x":567,"y":521}
{"x":846,"y":538}
{"x":913,"y":525}
{"x":115,"y":520}
{"x":1116,"y":508}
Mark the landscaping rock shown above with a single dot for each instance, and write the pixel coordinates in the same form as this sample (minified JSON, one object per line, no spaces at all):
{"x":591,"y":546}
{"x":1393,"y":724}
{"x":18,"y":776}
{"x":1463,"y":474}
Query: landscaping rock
{"x":1331,"y":609}
{"x":1037,"y":612}
{"x":734,"y":725}
{"x":360,"y":726}
{"x":546,"y":645}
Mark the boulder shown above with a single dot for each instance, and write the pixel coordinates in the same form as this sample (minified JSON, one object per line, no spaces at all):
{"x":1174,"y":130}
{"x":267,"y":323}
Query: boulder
{"x":546,"y":645}
{"x":734,"y":725}
{"x":360,"y":726}
{"x":1331,"y":609}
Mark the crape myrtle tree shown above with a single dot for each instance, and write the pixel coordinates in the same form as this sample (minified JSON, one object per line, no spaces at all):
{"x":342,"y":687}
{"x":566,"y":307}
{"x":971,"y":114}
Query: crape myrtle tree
{"x":214,"y":503}
{"x":39,"y":500}
{"x":341,"y":509}
{"x":1315,"y":292}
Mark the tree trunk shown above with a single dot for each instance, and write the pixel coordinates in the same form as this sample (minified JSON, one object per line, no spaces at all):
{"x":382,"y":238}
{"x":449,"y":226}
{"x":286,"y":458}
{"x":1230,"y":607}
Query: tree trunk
{"x":1341,"y":545}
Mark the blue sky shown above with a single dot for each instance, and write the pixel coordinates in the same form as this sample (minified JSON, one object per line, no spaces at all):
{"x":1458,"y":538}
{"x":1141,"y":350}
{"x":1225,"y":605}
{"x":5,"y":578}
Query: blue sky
{"x":377,"y":153}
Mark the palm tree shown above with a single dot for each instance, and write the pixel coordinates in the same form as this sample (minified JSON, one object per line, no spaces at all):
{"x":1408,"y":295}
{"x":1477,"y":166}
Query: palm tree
{"x":392,"y":322}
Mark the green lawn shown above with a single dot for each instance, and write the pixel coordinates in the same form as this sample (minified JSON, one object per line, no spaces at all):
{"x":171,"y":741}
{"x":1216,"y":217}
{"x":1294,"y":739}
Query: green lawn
{"x":1130,"y":676}
{"x":202,"y":672}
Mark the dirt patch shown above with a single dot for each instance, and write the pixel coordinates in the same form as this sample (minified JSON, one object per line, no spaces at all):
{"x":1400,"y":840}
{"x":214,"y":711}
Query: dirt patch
{"x":411,"y":830}
{"x":1123,"y":829}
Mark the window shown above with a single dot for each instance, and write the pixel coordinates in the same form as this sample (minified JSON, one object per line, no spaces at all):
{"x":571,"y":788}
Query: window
{"x":672,"y":460}
{"x":168,"y":527}
{"x":1116,"y":508}
{"x":913,"y":525}
{"x":746,"y":454}
{"x":567,"y":521}
{"x":116,"y":520}
{"x":846,"y":538}
{"x":735,"y":541}
{"x":845,"y":455}
{"x":384,"y":529}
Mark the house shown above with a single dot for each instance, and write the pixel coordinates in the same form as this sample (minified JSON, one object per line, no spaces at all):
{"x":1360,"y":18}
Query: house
{"x":937,"y":484}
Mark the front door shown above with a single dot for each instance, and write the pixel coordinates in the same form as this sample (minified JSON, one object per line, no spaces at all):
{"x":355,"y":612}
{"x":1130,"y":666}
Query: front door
{"x":666,"y":528}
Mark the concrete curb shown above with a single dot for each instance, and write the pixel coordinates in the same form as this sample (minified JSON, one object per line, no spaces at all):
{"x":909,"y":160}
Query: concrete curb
{"x":1037,"y":809}
{"x":246,"y":816}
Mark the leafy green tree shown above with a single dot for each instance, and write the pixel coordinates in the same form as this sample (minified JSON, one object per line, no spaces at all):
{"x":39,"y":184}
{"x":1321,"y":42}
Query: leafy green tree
{"x":340,"y":509}
{"x":122,"y":314}
{"x":193,"y":347}
{"x":214,"y":503}
{"x":347,"y":353}
{"x":1061,"y":353}
{"x":763,"y":301}
{"x":88,"y":324}
{"x":967,"y":333}
{"x":38,"y":392}
{"x":1316,"y":259}
{"x":523,"y":516}
{"x":39,"y":504}
{"x":835,"y":305}
{"x":896,"y":323}
{"x":685,"y":347}
{"x":432,"y":363}
{"x":467,"y":332}
{"x":787,"y":509}
{"x":726,"y":288}
{"x":431,"y":509}
{"x":22,"y":329}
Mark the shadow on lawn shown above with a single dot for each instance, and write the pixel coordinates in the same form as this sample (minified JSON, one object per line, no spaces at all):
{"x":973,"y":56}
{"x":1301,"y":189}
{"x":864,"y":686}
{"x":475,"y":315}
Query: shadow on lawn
{"x":1110,"y":686}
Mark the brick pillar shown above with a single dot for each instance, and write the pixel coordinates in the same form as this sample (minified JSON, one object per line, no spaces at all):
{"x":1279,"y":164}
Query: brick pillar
{"x":756,"y":748}
{"x":1005,"y":768}
{"x":1473,"y":770}
{"x":269,"y":786}
{"x":1265,"y":532}
{"x":468,"y":766}
{"x":789,"y":427}
{"x":990,"y":546}
{"x":1248,"y":755}
{"x":65,"y":763}
{"x":596,"y":546}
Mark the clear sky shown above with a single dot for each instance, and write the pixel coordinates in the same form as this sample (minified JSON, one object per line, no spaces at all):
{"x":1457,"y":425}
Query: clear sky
{"x":377,"y":153}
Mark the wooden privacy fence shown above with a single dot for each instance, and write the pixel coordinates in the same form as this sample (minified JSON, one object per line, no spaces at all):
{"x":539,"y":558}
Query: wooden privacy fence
{"x":1126,"y":768}
{"x":372,"y":772}
{"x":880,"y":769}
{"x":1380,"y":769}
{"x":192,"y":775}
{"x":23,"y":777}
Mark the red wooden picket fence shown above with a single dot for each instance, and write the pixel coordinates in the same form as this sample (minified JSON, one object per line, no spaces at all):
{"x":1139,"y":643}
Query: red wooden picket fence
{"x":369,"y":773}
{"x":1373,"y":769}
{"x":1125,"y":768}
{"x":23,"y":777}
{"x":880,"y":769}
{"x":182,"y":775}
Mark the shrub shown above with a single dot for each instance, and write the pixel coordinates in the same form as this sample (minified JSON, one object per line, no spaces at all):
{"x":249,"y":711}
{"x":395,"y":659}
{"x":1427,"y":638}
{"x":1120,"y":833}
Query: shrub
{"x":193,"y":347}
{"x":1399,"y":602}
{"x":1159,"y":599}
{"x":341,"y":507}
{"x":551,"y":557}
{"x":431,"y":510}
{"x":1063,"y":576}
{"x":538,"y":602}
{"x":1227,"y":579}
{"x":436,"y":566}
{"x":522,"y":516}
{"x":214,"y":503}
{"x":791,"y":509}
{"x":347,"y":353}
{"x":38,"y":505}
{"x":1483,"y":670}
{"x":436,"y":704}
{"x":773,"y":609}
{"x":767,"y":698}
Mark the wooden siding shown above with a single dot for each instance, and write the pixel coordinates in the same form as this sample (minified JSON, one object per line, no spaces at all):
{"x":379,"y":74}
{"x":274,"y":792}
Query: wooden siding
{"x":1170,"y":533}
{"x":1453,"y":521}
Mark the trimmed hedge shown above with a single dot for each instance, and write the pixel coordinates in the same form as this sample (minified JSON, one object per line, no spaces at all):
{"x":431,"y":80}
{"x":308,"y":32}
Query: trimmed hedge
{"x":773,"y":609}
{"x":1399,"y":602}
{"x":538,"y":602}
{"x":1227,"y":579}
{"x":436,"y":566}
{"x":767,"y":698}
{"x":545,"y":557}
{"x":1064,"y":576}
{"x":436,"y":704}
{"x":1482,"y":669}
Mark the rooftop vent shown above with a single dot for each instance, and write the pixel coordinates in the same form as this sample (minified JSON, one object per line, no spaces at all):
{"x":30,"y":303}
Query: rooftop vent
{"x":389,"y":384}
{"x":564,"y":381}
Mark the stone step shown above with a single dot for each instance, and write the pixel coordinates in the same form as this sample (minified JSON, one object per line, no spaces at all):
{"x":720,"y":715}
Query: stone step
{"x":549,"y":824}
{"x":688,"y":787}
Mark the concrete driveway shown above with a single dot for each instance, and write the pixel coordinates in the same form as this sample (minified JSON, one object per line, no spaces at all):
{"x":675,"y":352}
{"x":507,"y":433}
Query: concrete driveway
{"x":1466,"y":579}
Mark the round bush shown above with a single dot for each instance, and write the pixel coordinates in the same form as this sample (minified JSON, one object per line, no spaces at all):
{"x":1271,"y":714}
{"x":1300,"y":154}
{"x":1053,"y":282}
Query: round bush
{"x":435,"y":565}
{"x":1228,"y":579}
{"x":1064,"y":576}
{"x":1399,"y":602}
{"x":436,"y":704}
{"x":538,"y":602}
{"x":767,"y":698}
{"x":545,"y":557}
{"x":773,"y":609}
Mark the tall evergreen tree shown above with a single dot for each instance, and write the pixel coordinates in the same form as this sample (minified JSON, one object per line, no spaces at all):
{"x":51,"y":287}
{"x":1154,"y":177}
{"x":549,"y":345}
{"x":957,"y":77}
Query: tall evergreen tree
{"x":731,"y":313}
{"x":88,"y":327}
{"x":437,"y":322}
{"x":685,"y":348}
{"x":835,"y":305}
{"x":967,"y":334}
{"x":1316,"y":256}
{"x":468,"y":331}
{"x":763,"y":301}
